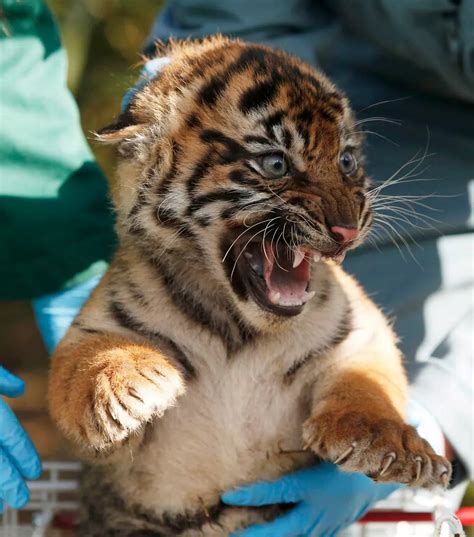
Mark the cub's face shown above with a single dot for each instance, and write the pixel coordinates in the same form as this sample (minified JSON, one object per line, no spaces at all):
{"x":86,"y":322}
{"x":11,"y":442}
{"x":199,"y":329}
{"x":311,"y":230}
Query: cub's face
{"x":246,"y":163}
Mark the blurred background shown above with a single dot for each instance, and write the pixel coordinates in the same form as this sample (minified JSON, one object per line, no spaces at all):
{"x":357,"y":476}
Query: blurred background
{"x":104,"y":40}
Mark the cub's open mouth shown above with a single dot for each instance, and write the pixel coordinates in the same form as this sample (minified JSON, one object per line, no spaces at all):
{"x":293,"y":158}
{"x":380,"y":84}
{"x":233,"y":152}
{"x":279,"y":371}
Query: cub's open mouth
{"x":277,"y":278}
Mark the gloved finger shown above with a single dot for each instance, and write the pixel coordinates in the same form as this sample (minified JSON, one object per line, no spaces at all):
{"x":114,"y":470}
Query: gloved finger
{"x":383,"y":490}
{"x":282,"y":490}
{"x":317,"y":531}
{"x":10,"y":385}
{"x":321,"y":528}
{"x":13,"y":489}
{"x":292,"y":524}
{"x":320,"y":532}
{"x":334,"y":532}
{"x":16,"y":443}
{"x":353,"y":519}
{"x":360,"y":514}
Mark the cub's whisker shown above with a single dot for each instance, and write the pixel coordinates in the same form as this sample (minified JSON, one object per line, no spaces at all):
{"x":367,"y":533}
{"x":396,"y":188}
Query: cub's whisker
{"x":383,"y":137}
{"x":381,"y":103}
{"x":381,"y":119}
{"x":240,"y":235}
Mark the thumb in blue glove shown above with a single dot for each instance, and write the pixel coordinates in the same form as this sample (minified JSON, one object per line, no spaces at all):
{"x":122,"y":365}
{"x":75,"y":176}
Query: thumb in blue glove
{"x":18,"y":457}
{"x":327,"y":501}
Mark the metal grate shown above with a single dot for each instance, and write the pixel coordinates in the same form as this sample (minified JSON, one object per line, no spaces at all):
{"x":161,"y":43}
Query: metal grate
{"x":54,"y":495}
{"x":50,"y":512}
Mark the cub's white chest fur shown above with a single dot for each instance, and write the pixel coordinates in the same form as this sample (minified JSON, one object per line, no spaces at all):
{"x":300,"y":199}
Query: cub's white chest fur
{"x":232,"y":424}
{"x":236,"y":418}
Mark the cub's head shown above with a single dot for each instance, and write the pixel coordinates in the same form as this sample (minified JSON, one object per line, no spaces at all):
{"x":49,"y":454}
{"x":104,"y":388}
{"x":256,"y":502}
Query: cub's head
{"x":244,"y":164}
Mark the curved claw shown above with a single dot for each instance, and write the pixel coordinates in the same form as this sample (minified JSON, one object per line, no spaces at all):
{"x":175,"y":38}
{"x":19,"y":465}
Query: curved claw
{"x":309,"y":443}
{"x":345,"y":454}
{"x":389,"y":458}
{"x":444,"y":478}
{"x":133,"y":393}
{"x":418,"y":462}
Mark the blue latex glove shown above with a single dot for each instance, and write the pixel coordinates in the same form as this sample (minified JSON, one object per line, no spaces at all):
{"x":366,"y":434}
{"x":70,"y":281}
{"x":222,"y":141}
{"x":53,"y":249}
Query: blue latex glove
{"x":18,"y":457}
{"x":55,"y":312}
{"x":327,"y":501}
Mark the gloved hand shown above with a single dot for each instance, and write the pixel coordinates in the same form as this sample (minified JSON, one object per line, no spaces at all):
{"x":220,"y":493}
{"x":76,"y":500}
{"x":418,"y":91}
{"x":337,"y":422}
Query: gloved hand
{"x":55,"y":312}
{"x":327,"y":501}
{"x":18,"y":457}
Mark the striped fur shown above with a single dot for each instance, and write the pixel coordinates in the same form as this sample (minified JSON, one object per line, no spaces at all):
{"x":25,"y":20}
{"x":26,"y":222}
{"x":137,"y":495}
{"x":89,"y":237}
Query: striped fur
{"x":173,"y":382}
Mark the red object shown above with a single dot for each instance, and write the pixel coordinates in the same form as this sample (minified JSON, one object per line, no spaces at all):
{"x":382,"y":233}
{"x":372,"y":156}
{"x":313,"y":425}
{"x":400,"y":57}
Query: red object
{"x":65,"y":520}
{"x":465,"y":515}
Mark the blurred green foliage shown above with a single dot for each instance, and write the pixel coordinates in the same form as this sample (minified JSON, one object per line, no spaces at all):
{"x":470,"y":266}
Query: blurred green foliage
{"x":104,"y":40}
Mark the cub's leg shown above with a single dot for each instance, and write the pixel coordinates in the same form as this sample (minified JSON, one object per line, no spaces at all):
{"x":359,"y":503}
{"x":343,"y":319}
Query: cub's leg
{"x":357,"y":422}
{"x":104,"y":388}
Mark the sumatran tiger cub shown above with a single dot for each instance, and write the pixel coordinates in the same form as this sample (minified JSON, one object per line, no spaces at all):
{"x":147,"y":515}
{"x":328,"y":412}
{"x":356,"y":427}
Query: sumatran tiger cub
{"x":225,"y":344}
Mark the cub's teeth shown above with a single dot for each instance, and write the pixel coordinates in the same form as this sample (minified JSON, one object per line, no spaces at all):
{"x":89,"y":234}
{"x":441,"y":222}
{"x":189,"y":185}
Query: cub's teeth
{"x":248,"y":255}
{"x":309,"y":296}
{"x":289,"y":301}
{"x":299,"y":256}
{"x":317,"y":257}
{"x":275,"y":297}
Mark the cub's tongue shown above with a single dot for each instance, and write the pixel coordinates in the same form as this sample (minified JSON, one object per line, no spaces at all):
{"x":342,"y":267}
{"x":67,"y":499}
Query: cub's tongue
{"x":287,"y":275}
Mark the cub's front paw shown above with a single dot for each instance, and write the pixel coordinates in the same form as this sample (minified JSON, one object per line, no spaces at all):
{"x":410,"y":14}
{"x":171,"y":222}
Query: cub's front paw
{"x":112,"y":400}
{"x":383,"y":449}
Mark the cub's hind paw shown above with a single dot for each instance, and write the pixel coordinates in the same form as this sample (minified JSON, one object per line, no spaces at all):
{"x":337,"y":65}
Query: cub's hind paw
{"x":110,"y":401}
{"x":383,"y":449}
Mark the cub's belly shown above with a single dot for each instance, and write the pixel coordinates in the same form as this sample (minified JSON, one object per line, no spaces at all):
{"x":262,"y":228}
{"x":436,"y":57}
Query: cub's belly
{"x":217,"y":437}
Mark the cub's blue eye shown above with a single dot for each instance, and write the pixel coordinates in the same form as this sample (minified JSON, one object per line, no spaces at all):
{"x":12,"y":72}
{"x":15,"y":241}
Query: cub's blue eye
{"x":347,"y":163}
{"x":274,"y":165}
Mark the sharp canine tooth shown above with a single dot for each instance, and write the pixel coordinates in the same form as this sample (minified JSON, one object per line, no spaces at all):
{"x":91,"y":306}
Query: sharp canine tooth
{"x":275,"y":297}
{"x":309,"y":296}
{"x":317,"y":257}
{"x":299,"y":256}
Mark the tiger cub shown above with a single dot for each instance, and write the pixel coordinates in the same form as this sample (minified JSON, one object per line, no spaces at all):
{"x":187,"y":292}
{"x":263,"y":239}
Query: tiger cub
{"x":225,"y":345}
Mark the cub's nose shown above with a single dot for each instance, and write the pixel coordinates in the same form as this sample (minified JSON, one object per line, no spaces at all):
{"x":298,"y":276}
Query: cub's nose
{"x":344,"y":234}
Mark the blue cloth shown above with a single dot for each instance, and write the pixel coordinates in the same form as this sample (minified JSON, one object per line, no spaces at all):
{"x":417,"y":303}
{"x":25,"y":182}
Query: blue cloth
{"x":55,"y":312}
{"x":18,"y":457}
{"x":149,"y":71}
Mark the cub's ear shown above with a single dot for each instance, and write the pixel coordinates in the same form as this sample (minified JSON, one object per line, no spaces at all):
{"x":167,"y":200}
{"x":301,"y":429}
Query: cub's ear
{"x":127,"y":124}
{"x":124,"y":126}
